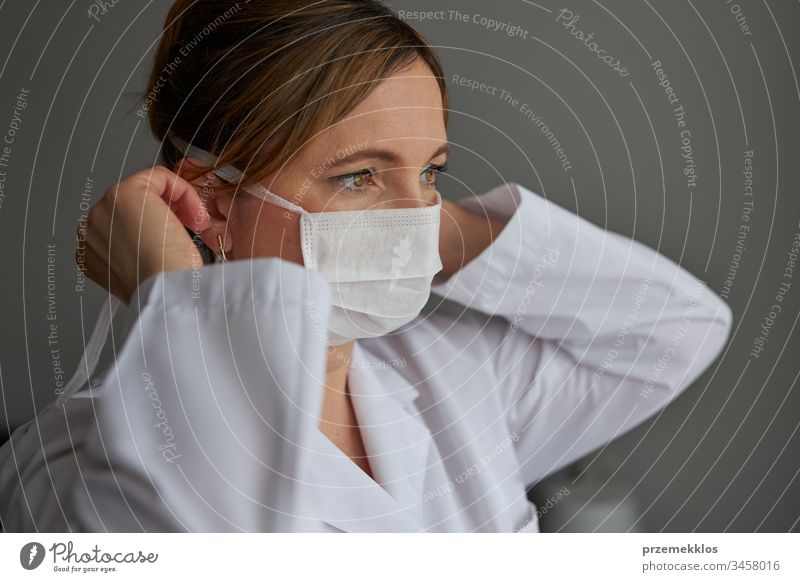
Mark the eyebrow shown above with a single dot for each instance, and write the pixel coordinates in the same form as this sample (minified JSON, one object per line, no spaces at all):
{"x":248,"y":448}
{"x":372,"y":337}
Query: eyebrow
{"x":381,"y":154}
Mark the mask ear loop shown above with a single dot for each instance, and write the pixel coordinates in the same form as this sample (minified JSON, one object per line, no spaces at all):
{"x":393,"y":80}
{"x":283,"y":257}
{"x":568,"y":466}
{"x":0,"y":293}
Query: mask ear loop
{"x":232,"y":174}
{"x":91,"y":353}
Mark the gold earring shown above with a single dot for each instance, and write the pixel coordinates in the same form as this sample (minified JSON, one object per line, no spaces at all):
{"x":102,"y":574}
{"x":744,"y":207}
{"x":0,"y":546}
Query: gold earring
{"x":221,"y":243}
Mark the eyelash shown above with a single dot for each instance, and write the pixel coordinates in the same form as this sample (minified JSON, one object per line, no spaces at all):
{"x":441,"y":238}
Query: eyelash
{"x":370,"y":172}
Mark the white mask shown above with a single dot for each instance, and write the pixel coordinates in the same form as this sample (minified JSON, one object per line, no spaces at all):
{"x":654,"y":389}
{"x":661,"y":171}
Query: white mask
{"x":379,"y":263}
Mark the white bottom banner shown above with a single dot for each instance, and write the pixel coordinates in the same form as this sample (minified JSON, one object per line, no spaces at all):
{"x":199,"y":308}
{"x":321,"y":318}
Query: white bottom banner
{"x":492,"y":557}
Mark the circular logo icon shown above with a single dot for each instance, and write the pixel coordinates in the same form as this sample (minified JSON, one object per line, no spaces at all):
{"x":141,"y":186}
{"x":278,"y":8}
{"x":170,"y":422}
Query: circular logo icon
{"x":31,"y":555}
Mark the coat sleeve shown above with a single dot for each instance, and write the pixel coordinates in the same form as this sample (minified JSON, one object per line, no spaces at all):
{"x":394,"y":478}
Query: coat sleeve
{"x":200,"y":423}
{"x":601,"y":331}
{"x":40,"y":462}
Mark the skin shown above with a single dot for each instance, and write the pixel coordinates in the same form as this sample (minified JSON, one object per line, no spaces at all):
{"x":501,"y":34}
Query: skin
{"x":403,"y":116}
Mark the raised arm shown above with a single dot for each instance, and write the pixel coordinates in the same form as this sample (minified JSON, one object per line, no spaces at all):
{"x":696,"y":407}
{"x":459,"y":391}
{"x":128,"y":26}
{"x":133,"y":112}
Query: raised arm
{"x":603,"y":331}
{"x":199,"y":424}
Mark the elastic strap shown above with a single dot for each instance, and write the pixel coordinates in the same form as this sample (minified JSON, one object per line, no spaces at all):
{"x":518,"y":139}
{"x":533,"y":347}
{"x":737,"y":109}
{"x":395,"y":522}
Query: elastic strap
{"x":92,"y":351}
{"x":231,"y":174}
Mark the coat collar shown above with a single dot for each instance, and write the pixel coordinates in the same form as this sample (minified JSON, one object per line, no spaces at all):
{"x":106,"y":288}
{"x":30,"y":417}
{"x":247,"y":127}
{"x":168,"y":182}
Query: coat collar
{"x":366,"y":367}
{"x":398,"y":444}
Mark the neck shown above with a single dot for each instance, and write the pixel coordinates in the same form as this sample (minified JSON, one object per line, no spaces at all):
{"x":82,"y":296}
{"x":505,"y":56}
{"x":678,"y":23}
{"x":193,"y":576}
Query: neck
{"x":336,"y":372}
{"x":338,"y":421}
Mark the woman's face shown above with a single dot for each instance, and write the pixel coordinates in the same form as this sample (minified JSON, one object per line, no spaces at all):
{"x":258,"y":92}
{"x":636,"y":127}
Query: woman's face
{"x":384,"y":154}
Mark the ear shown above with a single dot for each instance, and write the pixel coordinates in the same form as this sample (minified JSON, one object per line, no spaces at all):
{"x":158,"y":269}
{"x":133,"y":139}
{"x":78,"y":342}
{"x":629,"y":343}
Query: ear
{"x":217,"y":204}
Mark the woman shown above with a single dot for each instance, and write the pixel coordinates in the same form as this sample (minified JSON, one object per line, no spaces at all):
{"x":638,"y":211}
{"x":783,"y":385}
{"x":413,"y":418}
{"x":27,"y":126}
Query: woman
{"x":291,"y":383}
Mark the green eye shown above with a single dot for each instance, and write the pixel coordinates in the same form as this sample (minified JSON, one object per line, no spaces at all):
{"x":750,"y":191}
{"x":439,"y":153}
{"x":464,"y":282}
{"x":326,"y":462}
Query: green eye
{"x":357,"y":181}
{"x":429,"y":174}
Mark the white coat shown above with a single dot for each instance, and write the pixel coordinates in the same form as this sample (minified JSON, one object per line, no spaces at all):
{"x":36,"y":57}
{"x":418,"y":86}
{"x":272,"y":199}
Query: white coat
{"x":208,"y":420}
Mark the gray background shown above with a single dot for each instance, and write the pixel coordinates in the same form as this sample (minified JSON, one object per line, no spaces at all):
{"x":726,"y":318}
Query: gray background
{"x":725,"y":455}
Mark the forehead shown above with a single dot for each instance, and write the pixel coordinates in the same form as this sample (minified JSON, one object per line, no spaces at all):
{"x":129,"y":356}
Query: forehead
{"x":406,"y":105}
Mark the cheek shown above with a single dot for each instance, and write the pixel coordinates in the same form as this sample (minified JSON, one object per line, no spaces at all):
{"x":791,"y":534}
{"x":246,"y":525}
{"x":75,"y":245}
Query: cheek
{"x":266,"y":230}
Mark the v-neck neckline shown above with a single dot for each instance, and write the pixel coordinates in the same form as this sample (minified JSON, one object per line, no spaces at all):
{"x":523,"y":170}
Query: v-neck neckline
{"x":397,"y":445}
{"x":360,"y":436}
{"x":396,"y":440}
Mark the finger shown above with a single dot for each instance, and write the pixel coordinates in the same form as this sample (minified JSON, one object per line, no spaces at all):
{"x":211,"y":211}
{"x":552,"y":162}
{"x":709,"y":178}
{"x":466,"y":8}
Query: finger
{"x":181,"y":196}
{"x":205,"y":184}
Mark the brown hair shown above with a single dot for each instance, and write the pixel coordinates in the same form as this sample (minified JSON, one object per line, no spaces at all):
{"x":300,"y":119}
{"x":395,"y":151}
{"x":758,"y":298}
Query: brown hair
{"x":253,"y":82}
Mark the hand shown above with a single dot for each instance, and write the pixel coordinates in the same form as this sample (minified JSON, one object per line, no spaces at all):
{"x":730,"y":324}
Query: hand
{"x":137,"y":230}
{"x":462,"y":237}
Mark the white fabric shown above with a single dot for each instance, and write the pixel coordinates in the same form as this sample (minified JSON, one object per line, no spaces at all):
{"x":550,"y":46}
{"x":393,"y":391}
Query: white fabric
{"x":379,"y":262}
{"x":552,"y":350}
